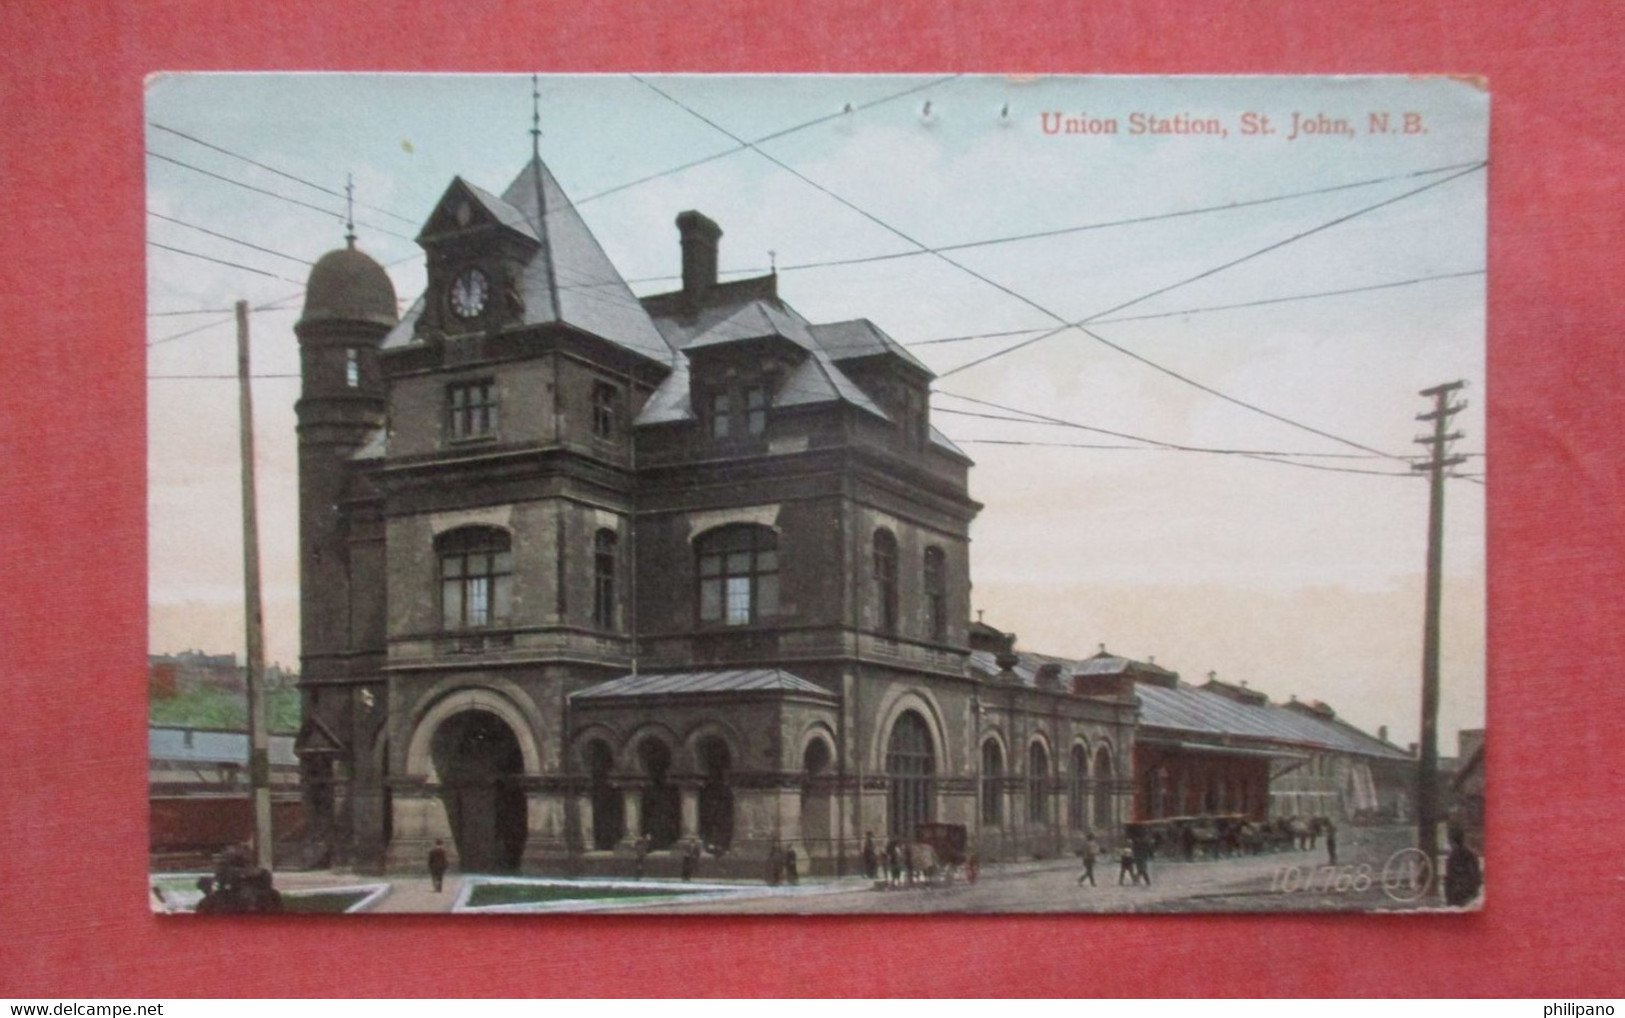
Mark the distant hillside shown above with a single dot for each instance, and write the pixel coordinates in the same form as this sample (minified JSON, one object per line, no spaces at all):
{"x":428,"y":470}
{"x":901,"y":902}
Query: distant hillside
{"x":207,"y":707}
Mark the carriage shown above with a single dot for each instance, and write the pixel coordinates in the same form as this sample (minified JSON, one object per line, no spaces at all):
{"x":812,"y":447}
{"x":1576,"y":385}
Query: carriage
{"x":940,"y":850}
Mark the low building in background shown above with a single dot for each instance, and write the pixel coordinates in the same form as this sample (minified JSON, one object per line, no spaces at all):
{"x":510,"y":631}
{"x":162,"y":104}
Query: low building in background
{"x":198,"y":794}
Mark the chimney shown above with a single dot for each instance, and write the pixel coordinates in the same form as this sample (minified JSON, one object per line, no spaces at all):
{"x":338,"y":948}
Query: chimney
{"x":699,"y":235}
{"x":1382,"y":732}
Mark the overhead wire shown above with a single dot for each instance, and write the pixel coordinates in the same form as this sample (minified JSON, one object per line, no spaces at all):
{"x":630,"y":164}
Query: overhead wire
{"x":1266,"y":249}
{"x":1474,"y":167}
{"x":743,"y":146}
{"x":273,"y":194}
{"x":1214,"y":307}
{"x":281,"y":173}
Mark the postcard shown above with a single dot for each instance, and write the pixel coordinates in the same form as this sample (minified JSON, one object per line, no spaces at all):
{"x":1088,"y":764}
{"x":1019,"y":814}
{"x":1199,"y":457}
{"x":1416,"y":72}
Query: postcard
{"x":816,"y":494}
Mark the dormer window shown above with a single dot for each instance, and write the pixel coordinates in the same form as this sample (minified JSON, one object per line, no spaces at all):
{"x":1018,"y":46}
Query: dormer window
{"x":739,"y":412}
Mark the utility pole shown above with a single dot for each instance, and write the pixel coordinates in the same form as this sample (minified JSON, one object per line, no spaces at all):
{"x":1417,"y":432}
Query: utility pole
{"x":1427,"y":772}
{"x":259,"y":737}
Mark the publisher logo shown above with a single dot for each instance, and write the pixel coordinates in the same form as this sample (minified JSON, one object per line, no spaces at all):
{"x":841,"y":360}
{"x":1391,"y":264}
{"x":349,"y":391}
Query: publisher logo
{"x":1407,"y":875}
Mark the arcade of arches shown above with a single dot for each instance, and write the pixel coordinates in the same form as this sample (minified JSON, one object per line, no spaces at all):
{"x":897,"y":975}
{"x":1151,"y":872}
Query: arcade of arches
{"x":688,"y":781}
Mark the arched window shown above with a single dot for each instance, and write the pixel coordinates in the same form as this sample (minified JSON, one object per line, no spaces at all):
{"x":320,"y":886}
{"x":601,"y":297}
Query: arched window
{"x":738,"y":574}
{"x":1075,"y":801}
{"x":1037,"y":783}
{"x":992,"y":783}
{"x":603,"y":579}
{"x":608,"y":816}
{"x":936,"y":593}
{"x":910,"y":767}
{"x":476,"y":577}
{"x":1103,"y":788}
{"x":885,"y":562}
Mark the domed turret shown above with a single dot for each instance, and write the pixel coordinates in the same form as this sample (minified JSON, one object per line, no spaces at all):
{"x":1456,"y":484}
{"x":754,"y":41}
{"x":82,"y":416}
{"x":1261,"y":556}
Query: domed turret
{"x":348,"y":286}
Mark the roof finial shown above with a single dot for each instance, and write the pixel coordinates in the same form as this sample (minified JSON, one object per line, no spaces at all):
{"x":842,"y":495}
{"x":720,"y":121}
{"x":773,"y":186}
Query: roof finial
{"x":349,"y":210}
{"x":535,"y":118}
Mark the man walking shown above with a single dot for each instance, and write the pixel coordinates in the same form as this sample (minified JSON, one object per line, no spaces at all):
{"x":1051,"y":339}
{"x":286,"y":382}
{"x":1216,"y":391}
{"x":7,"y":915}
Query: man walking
{"x":1089,"y":852}
{"x":437,"y":864}
{"x":1125,"y":865}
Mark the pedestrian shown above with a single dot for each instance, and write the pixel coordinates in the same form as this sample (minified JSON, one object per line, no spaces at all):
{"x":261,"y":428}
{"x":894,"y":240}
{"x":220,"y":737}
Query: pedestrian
{"x":791,"y":875}
{"x":871,"y":860}
{"x":775,"y":865}
{"x":437,"y":864}
{"x":691,"y":860}
{"x":1141,"y":855}
{"x":1331,"y":843}
{"x":1125,"y":864}
{"x":894,"y":862}
{"x":641,"y":851}
{"x":908,"y":863}
{"x":1088,"y":852}
{"x":1463,"y":878}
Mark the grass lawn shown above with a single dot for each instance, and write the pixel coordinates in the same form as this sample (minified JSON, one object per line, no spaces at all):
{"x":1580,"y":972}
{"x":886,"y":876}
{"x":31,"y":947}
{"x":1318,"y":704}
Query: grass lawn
{"x":527,"y":894}
{"x":320,"y":901}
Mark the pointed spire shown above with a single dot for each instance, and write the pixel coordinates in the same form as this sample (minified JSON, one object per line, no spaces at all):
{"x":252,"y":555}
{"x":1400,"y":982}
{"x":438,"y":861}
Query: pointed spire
{"x":541,"y":195}
{"x":349,"y":210}
{"x":535,"y":118}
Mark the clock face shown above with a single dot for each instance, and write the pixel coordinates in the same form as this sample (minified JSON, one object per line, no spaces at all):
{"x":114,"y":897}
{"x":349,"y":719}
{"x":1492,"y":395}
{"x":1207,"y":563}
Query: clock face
{"x":469,"y":292}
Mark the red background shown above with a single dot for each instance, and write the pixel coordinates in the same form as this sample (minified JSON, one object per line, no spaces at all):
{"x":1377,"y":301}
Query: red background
{"x":73,"y":917}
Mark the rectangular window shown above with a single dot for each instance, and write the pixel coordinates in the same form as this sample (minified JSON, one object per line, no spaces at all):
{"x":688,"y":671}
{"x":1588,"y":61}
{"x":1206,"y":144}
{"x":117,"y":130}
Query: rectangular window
{"x":721,"y":424}
{"x":471,"y":410}
{"x":352,"y":368}
{"x":756,"y":410}
{"x":605,"y":398}
{"x":476,"y":580}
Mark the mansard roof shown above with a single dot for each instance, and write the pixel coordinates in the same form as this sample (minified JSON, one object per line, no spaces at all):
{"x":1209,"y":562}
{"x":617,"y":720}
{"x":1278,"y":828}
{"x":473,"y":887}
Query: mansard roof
{"x":1170,"y":708}
{"x":851,"y":340}
{"x":568,"y":279}
{"x":744,"y":680}
{"x":739,"y":312}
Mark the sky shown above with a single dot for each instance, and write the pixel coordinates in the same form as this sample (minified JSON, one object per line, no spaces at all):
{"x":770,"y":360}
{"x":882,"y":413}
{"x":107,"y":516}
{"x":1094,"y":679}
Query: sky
{"x":1299,"y":572}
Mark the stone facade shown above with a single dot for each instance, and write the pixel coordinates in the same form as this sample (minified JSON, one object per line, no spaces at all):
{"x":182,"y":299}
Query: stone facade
{"x":588,"y":579}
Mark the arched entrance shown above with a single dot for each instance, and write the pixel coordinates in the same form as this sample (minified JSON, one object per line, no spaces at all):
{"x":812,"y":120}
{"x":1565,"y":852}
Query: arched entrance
{"x":910,"y":768}
{"x":608,"y":808}
{"x":716,"y":798}
{"x":662,"y":804}
{"x":479,"y":762}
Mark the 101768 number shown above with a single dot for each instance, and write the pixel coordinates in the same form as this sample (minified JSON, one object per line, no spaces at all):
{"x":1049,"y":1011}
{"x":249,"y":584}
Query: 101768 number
{"x":1334,"y":879}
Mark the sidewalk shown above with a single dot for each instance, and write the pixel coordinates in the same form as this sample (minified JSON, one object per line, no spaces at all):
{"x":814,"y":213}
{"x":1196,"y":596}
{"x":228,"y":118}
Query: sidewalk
{"x":417,"y":894}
